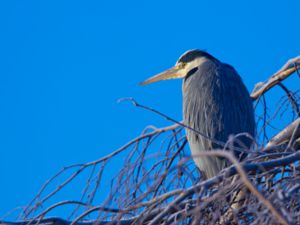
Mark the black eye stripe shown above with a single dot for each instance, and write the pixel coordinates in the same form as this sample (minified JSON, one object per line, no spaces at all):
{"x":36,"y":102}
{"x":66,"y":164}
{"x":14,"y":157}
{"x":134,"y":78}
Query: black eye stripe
{"x":191,"y":72}
{"x":193,"y":54}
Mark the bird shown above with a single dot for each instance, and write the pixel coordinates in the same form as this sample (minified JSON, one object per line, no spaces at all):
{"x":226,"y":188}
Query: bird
{"x":216,"y":104}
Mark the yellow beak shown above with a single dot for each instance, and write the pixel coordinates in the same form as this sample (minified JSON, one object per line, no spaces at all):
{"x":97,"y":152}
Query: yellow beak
{"x":172,"y":73}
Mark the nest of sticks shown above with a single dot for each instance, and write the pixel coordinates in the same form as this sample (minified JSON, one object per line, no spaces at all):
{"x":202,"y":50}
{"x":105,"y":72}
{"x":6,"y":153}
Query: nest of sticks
{"x":158,"y":183}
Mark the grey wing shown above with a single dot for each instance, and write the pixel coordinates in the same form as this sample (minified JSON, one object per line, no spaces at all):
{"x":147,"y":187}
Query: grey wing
{"x":236,"y":109}
{"x":216,"y":103}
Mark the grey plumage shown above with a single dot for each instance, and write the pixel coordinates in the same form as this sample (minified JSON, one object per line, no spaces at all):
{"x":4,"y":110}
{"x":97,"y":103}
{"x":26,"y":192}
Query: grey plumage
{"x":217,"y":104}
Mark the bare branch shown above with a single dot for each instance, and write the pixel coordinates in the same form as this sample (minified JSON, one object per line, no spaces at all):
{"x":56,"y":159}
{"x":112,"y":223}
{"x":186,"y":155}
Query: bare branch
{"x":286,"y":134}
{"x":289,"y":68}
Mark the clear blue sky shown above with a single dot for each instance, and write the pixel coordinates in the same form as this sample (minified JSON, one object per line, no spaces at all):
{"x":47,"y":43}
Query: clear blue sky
{"x":64,"y":65}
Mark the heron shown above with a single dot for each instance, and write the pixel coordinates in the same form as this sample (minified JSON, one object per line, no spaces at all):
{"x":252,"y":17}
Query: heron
{"x":216,"y":103}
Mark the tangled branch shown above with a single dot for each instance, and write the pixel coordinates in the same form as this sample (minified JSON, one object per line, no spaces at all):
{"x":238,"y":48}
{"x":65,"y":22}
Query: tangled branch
{"x":158,"y":183}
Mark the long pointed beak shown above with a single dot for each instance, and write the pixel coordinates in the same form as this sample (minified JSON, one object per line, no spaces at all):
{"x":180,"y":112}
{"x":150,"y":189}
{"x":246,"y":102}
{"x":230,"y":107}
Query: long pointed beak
{"x":171,"y":73}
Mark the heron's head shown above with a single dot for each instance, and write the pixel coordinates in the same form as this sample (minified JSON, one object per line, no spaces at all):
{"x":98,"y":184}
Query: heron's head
{"x":186,"y":65}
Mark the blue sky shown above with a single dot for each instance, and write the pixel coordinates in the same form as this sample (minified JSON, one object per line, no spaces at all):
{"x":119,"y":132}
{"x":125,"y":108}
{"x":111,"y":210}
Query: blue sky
{"x":64,"y":65}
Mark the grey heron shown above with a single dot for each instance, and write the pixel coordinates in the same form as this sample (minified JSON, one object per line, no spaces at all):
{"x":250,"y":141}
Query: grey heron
{"x":215,"y":103}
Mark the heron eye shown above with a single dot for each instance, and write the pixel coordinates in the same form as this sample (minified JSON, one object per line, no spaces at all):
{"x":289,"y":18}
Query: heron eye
{"x":182,"y":65}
